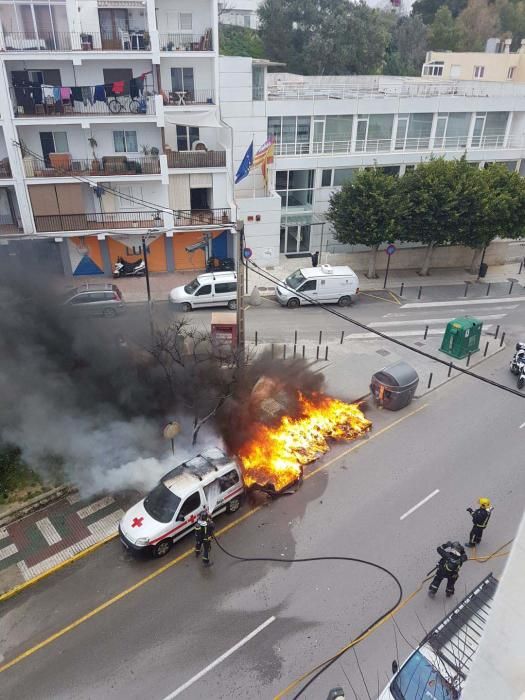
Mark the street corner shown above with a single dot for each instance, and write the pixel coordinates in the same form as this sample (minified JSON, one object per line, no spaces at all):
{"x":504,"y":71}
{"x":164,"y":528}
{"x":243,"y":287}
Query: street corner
{"x":46,"y":540}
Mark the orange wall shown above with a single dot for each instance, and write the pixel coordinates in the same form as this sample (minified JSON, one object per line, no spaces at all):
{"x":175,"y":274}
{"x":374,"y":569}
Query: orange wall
{"x":156,"y":254}
{"x":189,"y":261}
{"x":93,"y":245}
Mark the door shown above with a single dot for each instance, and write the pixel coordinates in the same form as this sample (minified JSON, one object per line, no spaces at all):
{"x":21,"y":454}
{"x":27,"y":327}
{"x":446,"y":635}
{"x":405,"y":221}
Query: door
{"x":309,"y":289}
{"x":53,"y":142}
{"x":182,"y":81}
{"x":229,"y":486}
{"x":188,"y":514}
{"x":114,"y":28}
{"x":224,"y":292}
{"x":114,"y":75}
{"x":203,"y":296}
{"x":199,"y":198}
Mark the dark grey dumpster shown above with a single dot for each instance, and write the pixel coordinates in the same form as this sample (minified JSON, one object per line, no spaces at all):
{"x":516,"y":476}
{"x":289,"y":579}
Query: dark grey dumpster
{"x":393,"y":387}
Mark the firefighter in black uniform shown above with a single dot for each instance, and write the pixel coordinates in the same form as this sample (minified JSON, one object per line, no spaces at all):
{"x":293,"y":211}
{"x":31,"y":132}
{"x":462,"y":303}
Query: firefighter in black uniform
{"x":204,"y":529}
{"x":452,"y":557}
{"x":480,"y":519}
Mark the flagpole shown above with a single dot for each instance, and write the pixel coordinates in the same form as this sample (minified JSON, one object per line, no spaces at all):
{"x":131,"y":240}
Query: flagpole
{"x":253,"y":173}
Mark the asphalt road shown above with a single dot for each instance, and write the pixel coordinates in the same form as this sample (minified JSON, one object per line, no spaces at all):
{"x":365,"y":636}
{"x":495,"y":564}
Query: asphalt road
{"x":464,"y":441}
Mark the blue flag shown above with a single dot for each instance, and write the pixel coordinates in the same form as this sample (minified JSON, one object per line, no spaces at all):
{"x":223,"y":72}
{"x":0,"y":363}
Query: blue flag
{"x":244,"y":167}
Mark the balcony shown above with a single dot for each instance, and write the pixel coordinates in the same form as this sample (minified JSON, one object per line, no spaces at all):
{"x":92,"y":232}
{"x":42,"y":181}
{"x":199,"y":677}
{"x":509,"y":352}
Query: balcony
{"x":181,"y":98}
{"x":7,"y":225}
{"x":138,"y":40}
{"x":89,"y":100}
{"x":5,"y":168}
{"x":186,"y":42}
{"x":202,"y":217}
{"x":196,"y":159}
{"x":94,"y":222}
{"x":64,"y":165}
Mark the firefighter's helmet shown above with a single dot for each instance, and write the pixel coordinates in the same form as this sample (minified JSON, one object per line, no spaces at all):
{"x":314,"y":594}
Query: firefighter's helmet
{"x":484,"y":502}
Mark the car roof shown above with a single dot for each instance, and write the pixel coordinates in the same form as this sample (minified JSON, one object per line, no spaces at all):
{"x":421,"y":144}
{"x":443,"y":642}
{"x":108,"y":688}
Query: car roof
{"x":328,"y":271}
{"x":200,"y":469}
{"x":229,"y":276}
{"x":93,"y":287}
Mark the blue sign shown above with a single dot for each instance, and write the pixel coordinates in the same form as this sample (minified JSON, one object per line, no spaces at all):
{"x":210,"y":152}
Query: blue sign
{"x":391,"y":249}
{"x":247,"y":252}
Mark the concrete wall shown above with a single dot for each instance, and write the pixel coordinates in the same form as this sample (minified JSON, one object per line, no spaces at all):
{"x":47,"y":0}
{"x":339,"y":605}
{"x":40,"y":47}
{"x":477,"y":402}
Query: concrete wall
{"x":203,"y":72}
{"x":262,"y":236}
{"x":168,"y":16}
{"x":496,"y":64}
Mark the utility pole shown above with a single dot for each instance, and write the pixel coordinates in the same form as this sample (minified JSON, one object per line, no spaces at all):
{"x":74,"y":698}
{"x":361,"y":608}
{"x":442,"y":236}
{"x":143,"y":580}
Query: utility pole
{"x":239,"y":247}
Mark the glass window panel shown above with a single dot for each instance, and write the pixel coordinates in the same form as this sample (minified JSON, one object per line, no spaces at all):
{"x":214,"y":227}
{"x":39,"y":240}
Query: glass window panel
{"x":299,"y":179}
{"x":342,"y":175}
{"x":300,"y":198}
{"x":479,"y":124}
{"x":379,"y":132}
{"x":510,"y":164}
{"x":495,"y":127}
{"x":326,"y":178}
{"x":304,"y":239}
{"x":61,"y":144}
{"x":402,"y":127}
{"x":282,"y":239}
{"x":361,"y":134}
{"x":182,"y":138}
{"x":281,"y":180}
{"x":318,"y":136}
{"x":274,"y":128}
{"x":119,"y":142}
{"x":419,"y":128}
{"x":194,"y":134}
{"x":284,"y":198}
{"x":303,"y":129}
{"x":457,"y":128}
{"x":289,"y":127}
{"x":186,"y":21}
{"x":131,"y":142}
{"x":291,"y":239}
{"x":338,"y":128}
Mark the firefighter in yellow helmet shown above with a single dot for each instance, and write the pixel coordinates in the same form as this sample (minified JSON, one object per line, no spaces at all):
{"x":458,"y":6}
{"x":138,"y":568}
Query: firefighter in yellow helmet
{"x":480,"y":519}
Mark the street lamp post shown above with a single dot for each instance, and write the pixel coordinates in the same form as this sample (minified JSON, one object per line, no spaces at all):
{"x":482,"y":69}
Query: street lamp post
{"x":146,"y":268}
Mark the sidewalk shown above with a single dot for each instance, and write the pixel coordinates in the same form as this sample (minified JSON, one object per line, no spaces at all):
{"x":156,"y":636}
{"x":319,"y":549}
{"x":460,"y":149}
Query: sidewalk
{"x":134,"y":289}
{"x":48,"y":538}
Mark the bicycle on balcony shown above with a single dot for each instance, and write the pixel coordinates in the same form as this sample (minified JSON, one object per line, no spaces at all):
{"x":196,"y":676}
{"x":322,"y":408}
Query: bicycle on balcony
{"x":126,"y":104}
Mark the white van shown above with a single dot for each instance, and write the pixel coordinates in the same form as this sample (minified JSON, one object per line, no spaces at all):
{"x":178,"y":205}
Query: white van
{"x":170,"y":511}
{"x":209,"y":289}
{"x":325,"y":284}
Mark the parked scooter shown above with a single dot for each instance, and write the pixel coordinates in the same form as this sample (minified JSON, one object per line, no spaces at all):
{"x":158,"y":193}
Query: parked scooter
{"x":220,"y":264}
{"x":517,"y":364}
{"x":123,"y":268}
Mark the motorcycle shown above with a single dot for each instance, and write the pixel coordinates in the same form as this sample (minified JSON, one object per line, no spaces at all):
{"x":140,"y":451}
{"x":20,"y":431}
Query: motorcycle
{"x":220,"y":264}
{"x":123,"y":268}
{"x":517,"y":364}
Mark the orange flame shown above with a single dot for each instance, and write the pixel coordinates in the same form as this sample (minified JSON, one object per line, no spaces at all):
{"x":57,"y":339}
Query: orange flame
{"x":275,"y":455}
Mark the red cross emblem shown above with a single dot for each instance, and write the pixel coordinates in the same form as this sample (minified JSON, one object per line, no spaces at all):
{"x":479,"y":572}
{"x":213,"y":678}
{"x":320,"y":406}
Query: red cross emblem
{"x":137,"y":522}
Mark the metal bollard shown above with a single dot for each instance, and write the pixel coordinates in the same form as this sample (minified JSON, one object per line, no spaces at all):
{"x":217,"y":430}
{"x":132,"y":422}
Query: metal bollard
{"x":496,"y":333}
{"x":486,"y":349}
{"x":273,"y":351}
{"x":320,"y":337}
{"x":256,"y":336}
{"x":449,"y":369}
{"x":488,"y":289}
{"x":326,"y":354}
{"x":429,"y":381}
{"x":521,"y":268}
{"x":317,"y":355}
{"x":419,"y":293}
{"x":294,"y":351}
{"x":502,"y":339}
{"x":401,"y":290}
{"x":426,"y":333}
{"x":511,"y":285}
{"x":468,"y":358}
{"x":466,"y":289}
{"x":295,"y":338}
{"x":284,"y":351}
{"x":303,"y":351}
{"x":342,"y":336}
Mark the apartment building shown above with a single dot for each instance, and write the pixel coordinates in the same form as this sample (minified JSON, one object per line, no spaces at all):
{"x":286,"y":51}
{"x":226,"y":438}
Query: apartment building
{"x":241,"y":13}
{"x":327,"y":128}
{"x":110,"y":129}
{"x":496,"y":63}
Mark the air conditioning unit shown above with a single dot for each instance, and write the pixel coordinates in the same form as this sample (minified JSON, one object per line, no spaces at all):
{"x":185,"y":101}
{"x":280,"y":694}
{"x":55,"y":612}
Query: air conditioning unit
{"x":199,"y":146}
{"x":327,"y":269}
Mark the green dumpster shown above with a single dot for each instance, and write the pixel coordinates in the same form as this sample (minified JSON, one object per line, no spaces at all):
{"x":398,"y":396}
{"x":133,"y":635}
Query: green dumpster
{"x":462,"y":337}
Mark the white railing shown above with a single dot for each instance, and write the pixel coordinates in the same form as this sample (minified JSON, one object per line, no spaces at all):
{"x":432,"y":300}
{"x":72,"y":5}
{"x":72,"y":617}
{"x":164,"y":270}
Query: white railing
{"x":383,"y":89}
{"x":402,"y":145}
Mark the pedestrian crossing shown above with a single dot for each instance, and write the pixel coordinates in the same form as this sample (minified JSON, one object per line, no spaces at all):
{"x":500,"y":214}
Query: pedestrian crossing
{"x":412,"y":320}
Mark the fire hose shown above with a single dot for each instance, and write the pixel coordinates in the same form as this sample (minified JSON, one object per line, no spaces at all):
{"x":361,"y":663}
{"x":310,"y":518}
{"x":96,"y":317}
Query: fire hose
{"x":325,"y":665}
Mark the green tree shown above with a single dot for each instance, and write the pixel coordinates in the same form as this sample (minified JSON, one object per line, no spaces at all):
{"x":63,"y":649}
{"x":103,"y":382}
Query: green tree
{"x":239,"y":41}
{"x":444,"y":33}
{"x":428,"y":8}
{"x":407,"y":48}
{"x":364,"y":212}
{"x":429,"y":206}
{"x":312,"y":36}
{"x":479,"y":21}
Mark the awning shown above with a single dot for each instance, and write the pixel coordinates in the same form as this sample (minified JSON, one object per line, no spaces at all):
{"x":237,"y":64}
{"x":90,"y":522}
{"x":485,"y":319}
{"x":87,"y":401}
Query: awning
{"x":303,"y":219}
{"x":206,"y":118}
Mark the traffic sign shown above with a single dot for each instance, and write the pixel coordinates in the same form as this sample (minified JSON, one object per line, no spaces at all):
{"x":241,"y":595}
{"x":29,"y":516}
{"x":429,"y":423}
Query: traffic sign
{"x":391,"y":249}
{"x":247,"y":252}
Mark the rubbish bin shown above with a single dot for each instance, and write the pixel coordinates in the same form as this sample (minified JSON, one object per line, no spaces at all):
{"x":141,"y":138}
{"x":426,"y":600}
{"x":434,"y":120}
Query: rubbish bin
{"x":462,"y":336}
{"x":483,"y":269}
{"x":393,"y":387}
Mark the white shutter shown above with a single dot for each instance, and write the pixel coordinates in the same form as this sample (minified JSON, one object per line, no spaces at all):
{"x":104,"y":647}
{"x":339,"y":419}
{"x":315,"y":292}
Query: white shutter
{"x":179,"y":192}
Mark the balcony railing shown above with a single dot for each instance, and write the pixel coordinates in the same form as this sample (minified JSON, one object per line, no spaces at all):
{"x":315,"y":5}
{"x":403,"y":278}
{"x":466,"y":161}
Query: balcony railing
{"x":186,"y":42}
{"x":196,"y":159}
{"x":94,"y":222}
{"x":43,"y":101}
{"x":202,"y":217}
{"x":5,"y":168}
{"x":7,"y":225}
{"x":132,"y":40}
{"x":62,"y":165}
{"x":180,"y":98}
{"x":439,"y":143}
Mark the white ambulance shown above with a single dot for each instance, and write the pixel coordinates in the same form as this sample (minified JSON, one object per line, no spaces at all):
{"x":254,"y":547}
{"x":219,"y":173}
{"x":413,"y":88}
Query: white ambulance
{"x":170,"y":511}
{"x":324,"y":284}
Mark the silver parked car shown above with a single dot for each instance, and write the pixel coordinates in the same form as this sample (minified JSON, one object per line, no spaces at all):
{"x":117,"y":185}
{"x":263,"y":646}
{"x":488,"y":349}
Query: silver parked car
{"x":94,"y":300}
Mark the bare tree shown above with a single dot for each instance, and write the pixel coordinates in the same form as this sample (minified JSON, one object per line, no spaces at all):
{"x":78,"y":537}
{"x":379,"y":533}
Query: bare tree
{"x":224,"y":8}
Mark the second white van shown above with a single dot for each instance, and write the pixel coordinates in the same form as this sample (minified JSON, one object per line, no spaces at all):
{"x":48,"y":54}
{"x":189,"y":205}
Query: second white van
{"x":209,"y":289}
{"x":324,"y":284}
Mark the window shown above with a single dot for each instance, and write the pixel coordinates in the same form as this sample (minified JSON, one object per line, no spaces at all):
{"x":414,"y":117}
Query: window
{"x":296,"y":188}
{"x":510,"y":72}
{"x":182,"y":80}
{"x":186,"y":21}
{"x":292,"y":134}
{"x":203,"y":290}
{"x":161,"y":503}
{"x":452,"y":129}
{"x":309,"y":286}
{"x":489,"y":129}
{"x":479,"y":71}
{"x":413,"y":131}
{"x":247,"y":21}
{"x":326,"y":178}
{"x":228,"y":480}
{"x":417,"y":674}
{"x":114,"y":75}
{"x":125,"y":141}
{"x":257,"y":82}
{"x":186,"y":137}
{"x":295,"y":239}
{"x":225,"y":287}
{"x":190,"y":504}
{"x":97,"y":296}
{"x":433,"y":69}
{"x":332,"y":134}
{"x":374,"y":132}
{"x":61,"y":143}
{"x":342,"y":175}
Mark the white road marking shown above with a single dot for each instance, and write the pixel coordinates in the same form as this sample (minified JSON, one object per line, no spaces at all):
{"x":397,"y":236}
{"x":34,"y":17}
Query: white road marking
{"x":428,"y":321}
{"x":401,"y":334}
{"x":495,"y":308}
{"x":418,"y":505}
{"x":98,"y":505}
{"x":461,"y":302}
{"x":3,"y":533}
{"x":8,"y":551}
{"x":48,"y":531}
{"x":219,"y":660}
{"x":522,"y":426}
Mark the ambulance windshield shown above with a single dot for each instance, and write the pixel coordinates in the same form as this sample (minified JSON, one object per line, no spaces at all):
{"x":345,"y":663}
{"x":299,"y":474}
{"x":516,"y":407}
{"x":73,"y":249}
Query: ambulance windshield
{"x":295,"y":279}
{"x":161,"y":503}
{"x":419,"y":679}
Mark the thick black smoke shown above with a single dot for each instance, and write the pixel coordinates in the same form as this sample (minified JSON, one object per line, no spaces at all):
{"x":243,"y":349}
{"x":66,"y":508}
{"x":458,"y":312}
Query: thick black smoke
{"x":70,"y":391}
